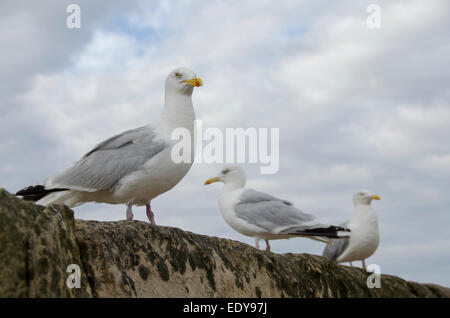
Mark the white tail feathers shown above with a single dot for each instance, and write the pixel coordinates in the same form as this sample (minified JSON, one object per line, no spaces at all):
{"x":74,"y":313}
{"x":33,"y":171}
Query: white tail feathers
{"x":320,"y":239}
{"x":327,"y":240}
{"x":62,"y":197}
{"x":343,"y":234}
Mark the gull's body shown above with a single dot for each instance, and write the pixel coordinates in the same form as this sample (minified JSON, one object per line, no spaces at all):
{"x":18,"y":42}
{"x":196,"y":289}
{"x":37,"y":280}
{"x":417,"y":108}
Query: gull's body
{"x":263,"y":216}
{"x":364,"y":237}
{"x":133,"y":167}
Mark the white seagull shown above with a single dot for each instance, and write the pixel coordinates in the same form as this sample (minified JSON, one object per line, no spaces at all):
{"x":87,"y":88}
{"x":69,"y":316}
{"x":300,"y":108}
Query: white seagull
{"x":130,"y":168}
{"x":364,"y":237}
{"x":262,"y":216}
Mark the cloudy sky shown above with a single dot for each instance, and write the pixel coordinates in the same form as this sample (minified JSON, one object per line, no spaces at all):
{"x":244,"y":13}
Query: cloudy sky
{"x":357,"y":107}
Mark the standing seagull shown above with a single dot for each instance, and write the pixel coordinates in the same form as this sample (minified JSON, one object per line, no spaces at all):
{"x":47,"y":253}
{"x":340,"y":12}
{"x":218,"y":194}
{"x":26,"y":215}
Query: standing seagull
{"x":263,"y":216}
{"x":133,"y":167}
{"x":364,"y":237}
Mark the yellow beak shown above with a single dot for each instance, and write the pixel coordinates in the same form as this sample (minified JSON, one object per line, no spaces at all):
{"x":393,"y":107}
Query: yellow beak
{"x":195,"y":82}
{"x":375,"y":197}
{"x":209,"y":181}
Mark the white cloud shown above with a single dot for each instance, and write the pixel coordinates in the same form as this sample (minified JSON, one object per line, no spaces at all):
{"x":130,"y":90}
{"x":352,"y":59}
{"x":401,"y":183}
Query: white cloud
{"x":438,"y":165}
{"x":356,"y":108}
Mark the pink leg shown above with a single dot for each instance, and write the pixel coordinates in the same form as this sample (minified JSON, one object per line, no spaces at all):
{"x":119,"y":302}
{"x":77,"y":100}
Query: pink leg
{"x":267,"y":245}
{"x":150,"y":214}
{"x":130,"y":211}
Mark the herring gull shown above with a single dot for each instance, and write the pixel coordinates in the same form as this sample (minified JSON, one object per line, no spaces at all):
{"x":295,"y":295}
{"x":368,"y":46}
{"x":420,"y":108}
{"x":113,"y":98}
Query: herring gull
{"x":263,"y":216}
{"x":130,"y":168}
{"x":364,"y":237}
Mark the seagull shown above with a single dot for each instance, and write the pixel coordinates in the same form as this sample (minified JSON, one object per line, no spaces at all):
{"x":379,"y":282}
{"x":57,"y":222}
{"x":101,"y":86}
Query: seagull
{"x":263,"y":216}
{"x":132,"y":167}
{"x":364,"y":237}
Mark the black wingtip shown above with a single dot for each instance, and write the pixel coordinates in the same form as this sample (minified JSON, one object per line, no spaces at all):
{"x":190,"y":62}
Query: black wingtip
{"x":331,"y":231}
{"x":31,"y":189}
{"x":35,"y":193}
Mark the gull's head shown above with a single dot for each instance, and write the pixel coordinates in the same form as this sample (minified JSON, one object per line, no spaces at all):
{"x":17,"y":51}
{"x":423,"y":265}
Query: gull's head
{"x":364,"y":197}
{"x":182,"y":80}
{"x":230,"y":175}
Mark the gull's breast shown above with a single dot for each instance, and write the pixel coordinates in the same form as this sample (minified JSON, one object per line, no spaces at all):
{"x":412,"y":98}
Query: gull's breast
{"x":158,"y":175}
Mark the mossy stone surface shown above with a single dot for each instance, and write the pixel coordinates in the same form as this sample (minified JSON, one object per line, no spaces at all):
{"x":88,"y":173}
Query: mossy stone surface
{"x":136,"y":259}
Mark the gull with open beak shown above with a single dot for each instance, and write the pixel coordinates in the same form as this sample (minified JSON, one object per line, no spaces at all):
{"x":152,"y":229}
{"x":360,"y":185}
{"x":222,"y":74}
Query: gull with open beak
{"x":263,"y":216}
{"x":364,"y":237}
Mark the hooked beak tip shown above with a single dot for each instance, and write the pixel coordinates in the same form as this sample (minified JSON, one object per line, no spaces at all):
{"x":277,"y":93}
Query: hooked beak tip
{"x":209,"y":181}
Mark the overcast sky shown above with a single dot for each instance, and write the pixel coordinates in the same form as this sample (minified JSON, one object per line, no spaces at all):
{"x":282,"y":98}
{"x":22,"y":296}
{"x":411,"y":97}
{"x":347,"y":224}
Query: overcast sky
{"x":357,"y":107}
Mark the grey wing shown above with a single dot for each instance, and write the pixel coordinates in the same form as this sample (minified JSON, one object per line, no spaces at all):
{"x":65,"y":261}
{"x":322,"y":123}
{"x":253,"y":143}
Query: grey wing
{"x":252,"y":196}
{"x":102,"y":167}
{"x":270,"y":213}
{"x":336,"y":247}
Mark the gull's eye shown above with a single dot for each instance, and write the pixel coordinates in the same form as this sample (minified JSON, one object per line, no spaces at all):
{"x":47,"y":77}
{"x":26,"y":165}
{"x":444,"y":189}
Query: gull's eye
{"x":178,"y":75}
{"x":225,"y":171}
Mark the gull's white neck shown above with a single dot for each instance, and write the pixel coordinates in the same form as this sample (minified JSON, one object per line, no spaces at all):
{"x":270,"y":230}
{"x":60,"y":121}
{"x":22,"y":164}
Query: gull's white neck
{"x":231,"y":186}
{"x":364,"y":213}
{"x":178,"y":112}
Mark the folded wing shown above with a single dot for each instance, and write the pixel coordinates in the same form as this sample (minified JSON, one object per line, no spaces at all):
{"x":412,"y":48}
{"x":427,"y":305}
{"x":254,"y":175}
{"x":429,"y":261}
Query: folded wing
{"x":279,"y":216}
{"x":336,"y":247}
{"x":102,"y":167}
